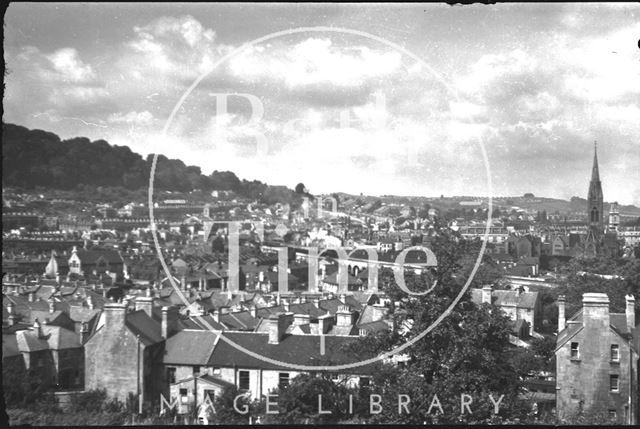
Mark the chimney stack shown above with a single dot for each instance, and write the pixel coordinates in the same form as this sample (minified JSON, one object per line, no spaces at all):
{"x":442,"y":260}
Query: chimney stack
{"x":343,"y":298}
{"x":169,"y":321}
{"x":38,"y":328}
{"x":344,"y":316}
{"x":145,"y":303}
{"x":216,"y":315}
{"x":562,"y":321}
{"x":90,"y":302}
{"x":285,"y":304}
{"x":32,"y":297}
{"x":486,"y":294}
{"x":324,"y":324}
{"x":301,"y":319}
{"x":595,"y":311}
{"x":630,"y":312}
{"x":52,"y":306}
{"x":114,"y":316}
{"x":254,"y":311}
{"x":12,"y":316}
{"x":278,"y":324}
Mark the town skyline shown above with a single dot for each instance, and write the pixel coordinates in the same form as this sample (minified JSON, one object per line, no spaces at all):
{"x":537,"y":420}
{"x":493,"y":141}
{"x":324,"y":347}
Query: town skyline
{"x":538,"y":98}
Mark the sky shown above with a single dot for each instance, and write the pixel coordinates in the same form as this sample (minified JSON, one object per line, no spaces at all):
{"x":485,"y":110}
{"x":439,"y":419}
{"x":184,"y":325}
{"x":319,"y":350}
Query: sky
{"x":364,"y":98}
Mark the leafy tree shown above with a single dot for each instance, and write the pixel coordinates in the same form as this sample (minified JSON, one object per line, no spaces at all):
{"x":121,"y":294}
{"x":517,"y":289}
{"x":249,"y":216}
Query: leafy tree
{"x":301,"y":189}
{"x":298,"y":402}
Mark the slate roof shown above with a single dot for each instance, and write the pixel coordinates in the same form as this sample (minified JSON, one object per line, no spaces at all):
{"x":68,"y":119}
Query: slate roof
{"x":201,"y":322}
{"x":239,"y":320}
{"x":332,"y":305}
{"x":139,"y":323}
{"x":92,"y":256}
{"x":190,"y":347}
{"x":306,"y":308}
{"x":264,"y":312}
{"x":9,"y":346}
{"x":54,"y":338}
{"x":292,"y":349}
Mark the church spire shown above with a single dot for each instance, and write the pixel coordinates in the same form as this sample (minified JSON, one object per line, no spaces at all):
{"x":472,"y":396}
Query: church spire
{"x":595,"y":199}
{"x":595,"y":173}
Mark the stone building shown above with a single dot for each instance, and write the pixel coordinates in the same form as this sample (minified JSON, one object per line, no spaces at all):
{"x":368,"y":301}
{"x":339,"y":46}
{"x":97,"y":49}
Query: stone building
{"x":523,"y":308}
{"x":597,"y":360}
{"x":124,"y":355}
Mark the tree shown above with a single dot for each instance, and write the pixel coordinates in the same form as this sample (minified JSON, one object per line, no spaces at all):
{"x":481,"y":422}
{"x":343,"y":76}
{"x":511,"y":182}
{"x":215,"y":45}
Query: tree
{"x":301,"y":189}
{"x":463,"y":354}
{"x":298,"y":402}
{"x":226,"y":413}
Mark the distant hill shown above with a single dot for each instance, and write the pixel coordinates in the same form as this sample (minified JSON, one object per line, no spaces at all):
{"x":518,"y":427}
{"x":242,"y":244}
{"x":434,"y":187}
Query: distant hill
{"x":36,"y":158}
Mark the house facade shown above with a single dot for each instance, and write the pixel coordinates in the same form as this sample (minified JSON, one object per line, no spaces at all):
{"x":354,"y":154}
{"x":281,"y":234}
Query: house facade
{"x":597,"y":361}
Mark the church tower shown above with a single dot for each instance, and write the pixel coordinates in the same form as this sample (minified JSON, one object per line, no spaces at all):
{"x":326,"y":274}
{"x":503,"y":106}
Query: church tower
{"x":595,"y":201}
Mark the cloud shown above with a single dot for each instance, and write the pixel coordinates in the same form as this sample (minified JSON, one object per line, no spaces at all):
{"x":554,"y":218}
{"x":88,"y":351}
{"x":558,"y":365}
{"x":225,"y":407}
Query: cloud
{"x":536,"y":106}
{"x":135,"y":118}
{"x":67,"y":63}
{"x":315,"y":61}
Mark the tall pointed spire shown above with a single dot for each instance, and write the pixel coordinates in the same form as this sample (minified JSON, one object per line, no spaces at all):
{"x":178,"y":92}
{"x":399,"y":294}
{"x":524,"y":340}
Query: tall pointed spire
{"x":595,"y":173}
{"x":595,"y":199}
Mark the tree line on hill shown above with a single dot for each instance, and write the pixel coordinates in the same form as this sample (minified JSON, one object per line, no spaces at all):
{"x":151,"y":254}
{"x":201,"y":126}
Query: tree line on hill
{"x":36,"y":158}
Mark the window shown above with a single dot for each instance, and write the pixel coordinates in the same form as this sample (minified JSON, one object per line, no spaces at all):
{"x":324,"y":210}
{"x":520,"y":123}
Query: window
{"x":575,"y":351}
{"x":283,"y":379}
{"x":243,"y":380}
{"x":183,"y":396}
{"x":613,"y":415}
{"x":614,"y":383}
{"x":171,"y":375}
{"x":335,"y":376}
{"x":615,"y":353}
{"x":196,"y":370}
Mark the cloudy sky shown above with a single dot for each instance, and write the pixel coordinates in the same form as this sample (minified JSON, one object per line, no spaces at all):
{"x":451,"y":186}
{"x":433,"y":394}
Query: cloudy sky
{"x":403,"y":112}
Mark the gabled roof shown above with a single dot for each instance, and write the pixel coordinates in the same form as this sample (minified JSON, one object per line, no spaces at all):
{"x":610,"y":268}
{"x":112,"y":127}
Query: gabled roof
{"x":53,"y":338}
{"x":617,"y":324}
{"x":91,"y":256}
{"x":306,"y":308}
{"x":139,"y":323}
{"x":239,"y":320}
{"x":190,"y":347}
{"x":207,"y":322}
